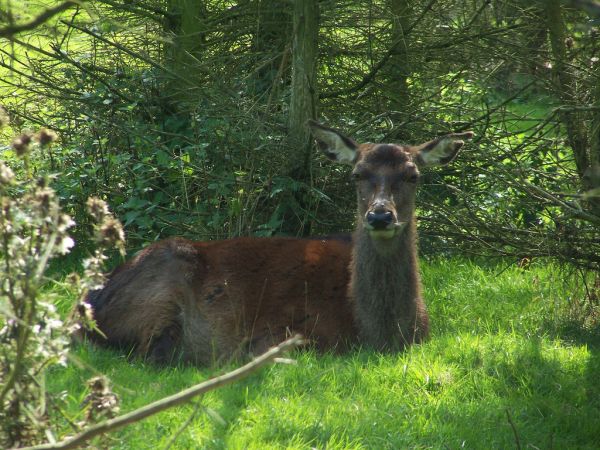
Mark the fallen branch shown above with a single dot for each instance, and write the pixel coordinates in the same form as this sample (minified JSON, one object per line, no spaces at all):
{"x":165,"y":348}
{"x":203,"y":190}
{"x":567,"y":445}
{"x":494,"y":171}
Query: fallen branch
{"x":173,"y":400}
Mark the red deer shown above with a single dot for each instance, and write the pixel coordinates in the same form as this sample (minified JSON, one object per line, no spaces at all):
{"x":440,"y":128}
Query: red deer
{"x":204,"y":301}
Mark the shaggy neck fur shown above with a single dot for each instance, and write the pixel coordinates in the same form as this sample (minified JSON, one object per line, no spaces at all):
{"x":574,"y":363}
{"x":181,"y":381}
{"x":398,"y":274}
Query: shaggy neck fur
{"x":385,"y":287}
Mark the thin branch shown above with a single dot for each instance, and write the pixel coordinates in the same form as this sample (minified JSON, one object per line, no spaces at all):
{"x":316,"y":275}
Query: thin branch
{"x":92,"y":74}
{"x":472,"y":37}
{"x":514,"y":430}
{"x":484,"y":5}
{"x":576,"y":108}
{"x":61,"y":56}
{"x":491,"y":111}
{"x":11,"y":30}
{"x":568,"y":207}
{"x":52,"y":86}
{"x":139,"y":9}
{"x":131,"y":53}
{"x":371,"y":75}
{"x":173,"y":400}
{"x":182,"y":428}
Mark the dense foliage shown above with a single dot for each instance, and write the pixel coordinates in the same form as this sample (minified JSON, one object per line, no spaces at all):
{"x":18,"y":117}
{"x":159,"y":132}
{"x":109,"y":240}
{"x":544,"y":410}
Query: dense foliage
{"x":178,"y":115}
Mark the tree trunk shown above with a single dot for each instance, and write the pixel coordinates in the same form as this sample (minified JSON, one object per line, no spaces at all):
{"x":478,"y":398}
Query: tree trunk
{"x":586,"y":149}
{"x":595,"y":132}
{"x":592,"y":178}
{"x":303,"y":98}
{"x":566,"y":88}
{"x":186,"y":26}
{"x":399,"y":65}
{"x":303,"y":101}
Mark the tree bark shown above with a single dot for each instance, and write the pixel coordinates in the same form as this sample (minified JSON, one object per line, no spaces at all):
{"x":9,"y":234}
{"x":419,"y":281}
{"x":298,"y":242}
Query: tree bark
{"x":399,"y":65}
{"x":565,"y":87}
{"x":303,"y":104}
{"x":185,"y":25}
{"x":592,"y":178}
{"x":595,"y":132}
{"x":584,"y":141}
{"x":303,"y":98}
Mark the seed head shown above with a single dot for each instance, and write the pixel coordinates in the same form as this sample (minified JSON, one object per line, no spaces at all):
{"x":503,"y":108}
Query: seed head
{"x":46,"y":137}
{"x":5,"y":209}
{"x":21,"y":144}
{"x":97,"y":208}
{"x":42,"y":182}
{"x":101,"y":402}
{"x":64,"y":222}
{"x":7,"y":177}
{"x":44,"y":197}
{"x":84,"y":310}
{"x":111,"y":232}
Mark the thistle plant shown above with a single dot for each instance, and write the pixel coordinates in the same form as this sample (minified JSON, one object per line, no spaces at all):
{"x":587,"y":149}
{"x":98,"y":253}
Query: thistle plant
{"x":33,"y":230}
{"x":33,"y":337}
{"x":108,"y":234}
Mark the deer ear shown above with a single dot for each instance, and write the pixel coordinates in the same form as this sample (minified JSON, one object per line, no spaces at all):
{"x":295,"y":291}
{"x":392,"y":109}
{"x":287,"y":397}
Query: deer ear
{"x":334,"y":144}
{"x":442,"y":150}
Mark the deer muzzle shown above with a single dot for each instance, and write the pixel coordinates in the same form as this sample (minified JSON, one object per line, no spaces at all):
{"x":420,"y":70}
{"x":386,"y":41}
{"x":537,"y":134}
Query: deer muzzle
{"x":382,"y":224}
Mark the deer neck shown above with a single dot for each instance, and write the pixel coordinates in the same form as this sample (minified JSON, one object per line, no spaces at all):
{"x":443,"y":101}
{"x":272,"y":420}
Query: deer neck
{"x":385,"y":288}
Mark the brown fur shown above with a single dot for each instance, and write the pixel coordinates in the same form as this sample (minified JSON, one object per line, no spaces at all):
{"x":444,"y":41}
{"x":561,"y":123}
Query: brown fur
{"x":219,"y":298}
{"x":204,"y":301}
{"x":385,"y":284}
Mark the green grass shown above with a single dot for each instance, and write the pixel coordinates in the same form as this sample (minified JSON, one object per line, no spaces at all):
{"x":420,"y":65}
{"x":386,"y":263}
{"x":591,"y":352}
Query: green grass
{"x":497,"y":351}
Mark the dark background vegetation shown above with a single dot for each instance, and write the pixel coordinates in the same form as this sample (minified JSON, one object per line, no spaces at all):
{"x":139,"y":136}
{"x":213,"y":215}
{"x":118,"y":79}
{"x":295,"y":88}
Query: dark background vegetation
{"x":189,"y":117}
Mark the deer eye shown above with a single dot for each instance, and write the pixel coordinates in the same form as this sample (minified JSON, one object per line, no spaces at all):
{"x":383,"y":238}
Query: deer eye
{"x":357,"y":176}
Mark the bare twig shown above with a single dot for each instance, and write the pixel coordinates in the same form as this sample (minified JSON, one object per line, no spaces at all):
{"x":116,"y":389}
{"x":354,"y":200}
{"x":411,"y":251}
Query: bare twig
{"x":577,"y":108}
{"x":514,"y":430}
{"x":173,"y":400}
{"x":182,"y":428}
{"x":132,"y":53}
{"x":139,"y":9}
{"x":567,"y":206}
{"x":13,"y":29}
{"x":375,"y":70}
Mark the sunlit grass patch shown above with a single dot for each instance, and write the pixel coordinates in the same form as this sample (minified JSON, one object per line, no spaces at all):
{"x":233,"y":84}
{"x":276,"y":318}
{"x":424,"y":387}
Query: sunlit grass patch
{"x":492,"y":372}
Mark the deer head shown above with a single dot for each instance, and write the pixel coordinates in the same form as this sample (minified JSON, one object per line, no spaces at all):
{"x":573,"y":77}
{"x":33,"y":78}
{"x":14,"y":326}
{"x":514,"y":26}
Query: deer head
{"x":386,"y":176}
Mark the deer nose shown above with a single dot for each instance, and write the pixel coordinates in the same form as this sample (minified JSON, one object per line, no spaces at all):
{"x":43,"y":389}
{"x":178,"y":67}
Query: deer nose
{"x":379,"y":220}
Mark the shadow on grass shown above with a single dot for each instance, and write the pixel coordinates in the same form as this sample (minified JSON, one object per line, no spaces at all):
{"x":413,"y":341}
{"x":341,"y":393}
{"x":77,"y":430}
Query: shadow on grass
{"x":528,"y":395}
{"x":572,"y":332}
{"x":519,"y":391}
{"x":488,"y":391}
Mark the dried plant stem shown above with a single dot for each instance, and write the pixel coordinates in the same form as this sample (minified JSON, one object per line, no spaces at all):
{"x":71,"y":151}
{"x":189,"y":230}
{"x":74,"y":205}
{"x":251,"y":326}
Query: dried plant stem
{"x":173,"y":400}
{"x":186,"y":424}
{"x":23,"y":328}
{"x":514,"y":430}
